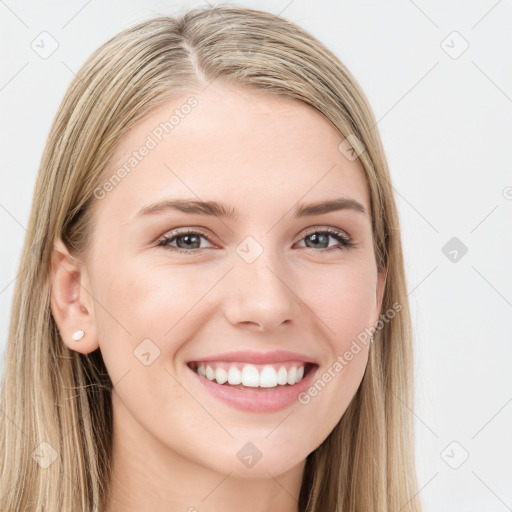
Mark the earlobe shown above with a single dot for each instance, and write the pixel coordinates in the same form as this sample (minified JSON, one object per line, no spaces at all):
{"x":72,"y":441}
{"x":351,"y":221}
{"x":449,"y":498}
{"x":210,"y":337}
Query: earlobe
{"x":71,"y":302}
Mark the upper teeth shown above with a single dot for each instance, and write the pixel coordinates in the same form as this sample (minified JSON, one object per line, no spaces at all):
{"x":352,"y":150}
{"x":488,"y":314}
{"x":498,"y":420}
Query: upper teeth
{"x":251,"y":376}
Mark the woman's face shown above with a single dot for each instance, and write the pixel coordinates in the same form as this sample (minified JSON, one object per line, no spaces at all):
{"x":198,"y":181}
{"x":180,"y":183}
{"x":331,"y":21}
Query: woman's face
{"x":262,"y":281}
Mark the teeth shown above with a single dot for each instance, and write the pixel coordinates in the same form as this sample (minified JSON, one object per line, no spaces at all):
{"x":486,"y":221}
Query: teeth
{"x":282,"y":376}
{"x":234,"y":376}
{"x":221,"y":375}
{"x":250,"y":376}
{"x":210,"y":374}
{"x":268,"y":377}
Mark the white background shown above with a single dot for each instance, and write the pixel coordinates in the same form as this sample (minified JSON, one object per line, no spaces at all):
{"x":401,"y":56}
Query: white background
{"x":446,"y":125}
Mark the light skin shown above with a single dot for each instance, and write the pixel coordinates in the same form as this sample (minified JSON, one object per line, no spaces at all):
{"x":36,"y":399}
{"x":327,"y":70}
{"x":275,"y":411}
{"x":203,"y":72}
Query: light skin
{"x":175,"y":446}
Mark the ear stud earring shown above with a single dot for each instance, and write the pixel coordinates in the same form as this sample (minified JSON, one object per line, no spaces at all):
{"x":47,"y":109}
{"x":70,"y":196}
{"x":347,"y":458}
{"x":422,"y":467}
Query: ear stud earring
{"x":78,"y":335}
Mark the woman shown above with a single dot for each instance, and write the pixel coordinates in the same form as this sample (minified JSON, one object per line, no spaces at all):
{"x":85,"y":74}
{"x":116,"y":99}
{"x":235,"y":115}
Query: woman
{"x":213,"y":313}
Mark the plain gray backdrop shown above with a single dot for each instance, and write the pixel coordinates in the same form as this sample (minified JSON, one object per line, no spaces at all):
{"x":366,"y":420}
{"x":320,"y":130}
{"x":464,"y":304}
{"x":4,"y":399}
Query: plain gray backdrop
{"x":438,"y":76}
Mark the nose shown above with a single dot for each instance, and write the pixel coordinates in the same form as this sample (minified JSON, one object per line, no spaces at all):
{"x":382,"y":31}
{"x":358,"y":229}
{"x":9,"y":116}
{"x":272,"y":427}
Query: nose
{"x":261,"y":294}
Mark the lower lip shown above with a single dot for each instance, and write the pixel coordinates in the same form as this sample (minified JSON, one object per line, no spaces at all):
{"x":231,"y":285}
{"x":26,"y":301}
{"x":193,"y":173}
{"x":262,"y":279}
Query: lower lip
{"x":257,"y":401}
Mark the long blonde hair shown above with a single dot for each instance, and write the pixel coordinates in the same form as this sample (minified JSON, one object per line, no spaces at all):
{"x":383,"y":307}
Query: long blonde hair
{"x":56,"y":403}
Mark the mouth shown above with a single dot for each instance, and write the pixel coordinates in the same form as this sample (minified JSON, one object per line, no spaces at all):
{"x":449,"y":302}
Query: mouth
{"x":253,"y":377}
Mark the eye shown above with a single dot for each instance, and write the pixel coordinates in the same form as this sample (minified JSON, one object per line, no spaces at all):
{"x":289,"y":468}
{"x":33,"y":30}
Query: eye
{"x":189,"y":241}
{"x":321,"y":237}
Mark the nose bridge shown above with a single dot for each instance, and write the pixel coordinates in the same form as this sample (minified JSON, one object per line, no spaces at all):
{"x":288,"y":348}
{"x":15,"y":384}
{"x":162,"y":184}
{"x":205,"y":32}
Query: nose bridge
{"x":259,"y":287}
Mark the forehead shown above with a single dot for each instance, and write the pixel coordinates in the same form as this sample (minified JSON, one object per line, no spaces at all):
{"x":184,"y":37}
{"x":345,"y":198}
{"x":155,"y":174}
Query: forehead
{"x":233,"y":144}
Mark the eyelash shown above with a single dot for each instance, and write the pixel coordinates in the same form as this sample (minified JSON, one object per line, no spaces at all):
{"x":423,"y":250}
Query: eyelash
{"x":345,"y":242}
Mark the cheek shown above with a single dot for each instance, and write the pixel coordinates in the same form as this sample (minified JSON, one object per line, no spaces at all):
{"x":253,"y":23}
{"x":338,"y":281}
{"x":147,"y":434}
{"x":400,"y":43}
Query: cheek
{"x":140,"y":301}
{"x":343,"y":299}
{"x":146,"y":314}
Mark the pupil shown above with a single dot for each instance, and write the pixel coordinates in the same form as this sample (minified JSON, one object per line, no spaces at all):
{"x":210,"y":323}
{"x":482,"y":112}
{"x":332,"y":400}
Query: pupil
{"x":315,"y":237}
{"x":187,"y":238}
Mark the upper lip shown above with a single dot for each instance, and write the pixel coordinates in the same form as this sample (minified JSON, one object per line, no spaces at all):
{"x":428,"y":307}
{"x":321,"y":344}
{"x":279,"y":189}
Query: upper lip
{"x":251,"y":356}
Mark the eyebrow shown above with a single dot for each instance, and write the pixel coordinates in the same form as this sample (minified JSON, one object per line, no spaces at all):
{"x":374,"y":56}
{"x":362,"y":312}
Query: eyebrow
{"x":217,"y":209}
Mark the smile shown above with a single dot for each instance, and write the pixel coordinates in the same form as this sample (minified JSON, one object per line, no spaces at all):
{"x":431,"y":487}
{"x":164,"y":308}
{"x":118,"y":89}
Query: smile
{"x":245,"y":375}
{"x":259,"y":388}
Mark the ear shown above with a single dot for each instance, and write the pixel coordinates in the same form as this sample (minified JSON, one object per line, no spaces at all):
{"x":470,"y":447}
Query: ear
{"x":71,"y":301}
